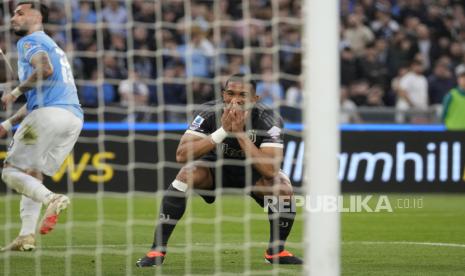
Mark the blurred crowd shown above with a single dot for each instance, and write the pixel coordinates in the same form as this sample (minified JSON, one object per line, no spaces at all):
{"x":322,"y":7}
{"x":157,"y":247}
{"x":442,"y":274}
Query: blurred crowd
{"x":394,"y":53}
{"x":400,"y":53}
{"x":159,"y":53}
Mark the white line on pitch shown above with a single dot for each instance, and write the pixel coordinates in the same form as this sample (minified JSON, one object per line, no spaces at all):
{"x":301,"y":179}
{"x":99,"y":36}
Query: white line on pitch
{"x":440,"y":244}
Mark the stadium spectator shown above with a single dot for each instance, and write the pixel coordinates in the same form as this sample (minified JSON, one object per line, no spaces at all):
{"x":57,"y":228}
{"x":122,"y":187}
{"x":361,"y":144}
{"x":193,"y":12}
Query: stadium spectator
{"x":90,"y":92}
{"x":85,"y":44}
{"x":294,"y":96}
{"x":115,"y":15}
{"x":358,"y":91}
{"x":85,"y":13}
{"x":174,"y":92}
{"x":114,"y":69}
{"x":349,"y":112}
{"x":454,"y":103}
{"x":375,"y":96}
{"x":135,"y":94}
{"x":424,"y":44}
{"x":349,"y":66}
{"x":441,"y":48}
{"x":145,"y":11}
{"x":291,"y":43}
{"x":145,"y":64}
{"x":384,"y":26}
{"x":292,"y":106}
{"x":410,"y":26}
{"x":439,"y":83}
{"x":237,"y":64}
{"x":117,"y":43}
{"x":201,"y":91}
{"x":381,"y":47}
{"x":142,"y":39}
{"x":412,"y":93}
{"x":456,"y":53}
{"x":197,"y":54}
{"x":401,"y":52}
{"x":270,"y":91}
{"x":371,"y":68}
{"x":357,"y":34}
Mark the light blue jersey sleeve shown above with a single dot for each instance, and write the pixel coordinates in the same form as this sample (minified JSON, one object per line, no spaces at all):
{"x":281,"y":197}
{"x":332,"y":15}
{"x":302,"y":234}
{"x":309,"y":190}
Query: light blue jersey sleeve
{"x":58,"y":90}
{"x":30,"y":48}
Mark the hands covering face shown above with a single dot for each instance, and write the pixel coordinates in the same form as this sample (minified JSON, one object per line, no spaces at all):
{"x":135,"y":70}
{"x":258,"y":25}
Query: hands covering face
{"x":234,"y":118}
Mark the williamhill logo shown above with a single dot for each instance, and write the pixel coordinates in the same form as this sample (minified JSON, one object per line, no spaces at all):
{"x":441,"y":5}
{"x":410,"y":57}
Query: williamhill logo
{"x":436,"y":162}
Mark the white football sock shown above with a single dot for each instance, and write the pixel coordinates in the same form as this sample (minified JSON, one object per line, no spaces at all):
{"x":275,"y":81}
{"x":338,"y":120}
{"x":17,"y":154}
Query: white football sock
{"x":30,"y":211}
{"x":26,"y":185}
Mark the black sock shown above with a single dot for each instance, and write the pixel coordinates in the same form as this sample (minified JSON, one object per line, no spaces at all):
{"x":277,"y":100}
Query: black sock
{"x":280,"y":227}
{"x":172,"y":209}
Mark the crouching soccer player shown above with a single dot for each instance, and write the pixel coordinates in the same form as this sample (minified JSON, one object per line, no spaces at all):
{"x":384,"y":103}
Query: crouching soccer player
{"x":247,"y":129}
{"x":50,"y":121}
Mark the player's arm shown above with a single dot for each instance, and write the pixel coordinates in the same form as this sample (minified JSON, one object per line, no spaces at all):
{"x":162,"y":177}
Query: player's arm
{"x":195,"y":144}
{"x":17,"y":118}
{"x":43,"y":69}
{"x":192,"y":147}
{"x":266,"y":160}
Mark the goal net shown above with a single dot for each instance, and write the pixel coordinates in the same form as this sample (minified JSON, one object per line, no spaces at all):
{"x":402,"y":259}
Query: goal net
{"x":142,"y":69}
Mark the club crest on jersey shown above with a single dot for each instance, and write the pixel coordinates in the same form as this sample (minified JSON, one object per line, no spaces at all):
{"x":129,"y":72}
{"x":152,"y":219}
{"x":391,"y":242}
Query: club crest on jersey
{"x":252,"y":134}
{"x":197,"y":122}
{"x":27,"y":46}
{"x":274,"y":132}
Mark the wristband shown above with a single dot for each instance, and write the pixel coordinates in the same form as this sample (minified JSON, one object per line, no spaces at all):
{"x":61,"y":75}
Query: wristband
{"x":7,"y":125}
{"x":16,"y":92}
{"x":219,"y":135}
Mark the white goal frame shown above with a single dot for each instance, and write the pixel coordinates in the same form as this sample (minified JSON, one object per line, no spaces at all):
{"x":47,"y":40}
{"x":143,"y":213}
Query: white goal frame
{"x":321,"y":134}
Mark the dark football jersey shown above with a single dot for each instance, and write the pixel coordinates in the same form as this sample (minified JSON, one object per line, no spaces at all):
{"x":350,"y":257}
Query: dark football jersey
{"x":264,"y":128}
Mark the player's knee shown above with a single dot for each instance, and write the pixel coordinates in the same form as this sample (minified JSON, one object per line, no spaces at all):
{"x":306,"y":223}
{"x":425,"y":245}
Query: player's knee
{"x":195,"y":177}
{"x":184,"y":176}
{"x":285,"y":186}
{"x":11,"y":180}
{"x":7,"y":176}
{"x":286,"y":189}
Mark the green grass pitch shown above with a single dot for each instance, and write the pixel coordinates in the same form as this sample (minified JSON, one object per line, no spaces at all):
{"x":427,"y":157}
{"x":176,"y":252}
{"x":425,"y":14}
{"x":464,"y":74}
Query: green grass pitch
{"x":415,"y":241}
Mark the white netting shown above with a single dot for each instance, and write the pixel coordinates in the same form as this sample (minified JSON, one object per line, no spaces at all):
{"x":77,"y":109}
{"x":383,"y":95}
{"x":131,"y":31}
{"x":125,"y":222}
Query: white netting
{"x":142,"y":68}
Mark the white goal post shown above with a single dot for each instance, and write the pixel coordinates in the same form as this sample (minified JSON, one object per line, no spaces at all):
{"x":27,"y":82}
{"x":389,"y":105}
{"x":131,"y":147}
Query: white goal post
{"x":321,"y":134}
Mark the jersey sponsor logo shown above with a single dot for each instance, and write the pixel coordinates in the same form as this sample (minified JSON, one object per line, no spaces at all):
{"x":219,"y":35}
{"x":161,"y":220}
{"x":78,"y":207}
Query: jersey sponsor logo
{"x":232,"y":152}
{"x":197,"y":122}
{"x":274,"y":132}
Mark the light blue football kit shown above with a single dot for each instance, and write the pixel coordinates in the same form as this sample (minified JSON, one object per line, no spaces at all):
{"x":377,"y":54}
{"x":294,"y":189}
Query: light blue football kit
{"x":59,"y":89}
{"x":55,"y":118}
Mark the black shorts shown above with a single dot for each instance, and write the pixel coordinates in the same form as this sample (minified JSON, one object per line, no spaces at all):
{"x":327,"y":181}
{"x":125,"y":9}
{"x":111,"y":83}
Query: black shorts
{"x":231,"y":174}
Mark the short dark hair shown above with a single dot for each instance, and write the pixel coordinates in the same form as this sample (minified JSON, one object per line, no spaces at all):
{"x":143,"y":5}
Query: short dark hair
{"x":37,"y":5}
{"x":243,"y":78}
